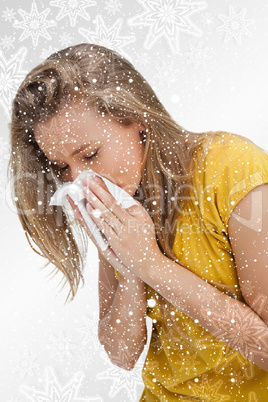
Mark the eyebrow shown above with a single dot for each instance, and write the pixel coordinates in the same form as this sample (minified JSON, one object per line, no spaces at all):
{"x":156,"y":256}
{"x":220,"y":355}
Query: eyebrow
{"x":77,"y":150}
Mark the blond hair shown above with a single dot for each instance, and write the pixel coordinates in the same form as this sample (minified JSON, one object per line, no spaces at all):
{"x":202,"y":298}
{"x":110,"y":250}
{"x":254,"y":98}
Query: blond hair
{"x":94,"y":73}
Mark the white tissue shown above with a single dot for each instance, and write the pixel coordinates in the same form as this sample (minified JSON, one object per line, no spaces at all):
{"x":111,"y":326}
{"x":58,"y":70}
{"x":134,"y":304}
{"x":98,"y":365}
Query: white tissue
{"x":75,"y":191}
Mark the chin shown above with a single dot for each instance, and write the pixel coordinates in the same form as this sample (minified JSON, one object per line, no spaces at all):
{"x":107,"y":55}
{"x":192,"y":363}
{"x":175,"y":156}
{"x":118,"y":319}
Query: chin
{"x":132,"y":191}
{"x":129,"y":188}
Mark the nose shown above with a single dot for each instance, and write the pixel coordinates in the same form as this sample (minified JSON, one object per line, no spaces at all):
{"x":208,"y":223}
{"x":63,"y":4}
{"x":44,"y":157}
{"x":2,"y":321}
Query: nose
{"x":74,"y":171}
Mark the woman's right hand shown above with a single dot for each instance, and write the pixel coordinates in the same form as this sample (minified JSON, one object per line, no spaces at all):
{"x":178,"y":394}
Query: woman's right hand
{"x":108,"y":254}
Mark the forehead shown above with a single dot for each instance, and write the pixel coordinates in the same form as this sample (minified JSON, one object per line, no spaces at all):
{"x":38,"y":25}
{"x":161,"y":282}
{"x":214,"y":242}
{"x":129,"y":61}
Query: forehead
{"x":71,"y":115}
{"x":70,"y":128}
{"x":75,"y":115}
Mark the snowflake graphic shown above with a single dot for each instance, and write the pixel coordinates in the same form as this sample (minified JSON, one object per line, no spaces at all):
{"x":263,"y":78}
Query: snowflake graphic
{"x":156,"y":342}
{"x":27,"y":155}
{"x":259,"y":303}
{"x":14,"y":399}
{"x":61,"y":346}
{"x":226,"y":355}
{"x":108,"y":37}
{"x":252,"y":397}
{"x":55,"y":391}
{"x":207,"y":296}
{"x":166,"y":73}
{"x":4,"y":149}
{"x":72,"y":8}
{"x":122,"y":379}
{"x":239,"y":328}
{"x":7,"y":42}
{"x":207,"y":19}
{"x":113,"y":6}
{"x":24,"y":364}
{"x":196,"y":55}
{"x":238,"y":377}
{"x":142,"y":59}
{"x":65,"y":39}
{"x":207,"y":390}
{"x":84,"y":357}
{"x":8,"y":14}
{"x":90,"y":331}
{"x":34,"y":24}
{"x":247,"y":287}
{"x":53,"y":136}
{"x":45,"y":53}
{"x":187,"y":363}
{"x":167,"y":18}
{"x":234,"y":25}
{"x":1,"y":164}
{"x":2,"y":175}
{"x":2,"y":195}
{"x":11,"y":75}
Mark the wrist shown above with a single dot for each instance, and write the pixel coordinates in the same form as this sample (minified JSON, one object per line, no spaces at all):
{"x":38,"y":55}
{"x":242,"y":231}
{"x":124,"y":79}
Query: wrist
{"x":152,"y":265}
{"x":130,"y":280}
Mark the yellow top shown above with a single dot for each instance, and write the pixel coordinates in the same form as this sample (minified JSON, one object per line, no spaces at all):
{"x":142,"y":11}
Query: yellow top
{"x":184,"y":361}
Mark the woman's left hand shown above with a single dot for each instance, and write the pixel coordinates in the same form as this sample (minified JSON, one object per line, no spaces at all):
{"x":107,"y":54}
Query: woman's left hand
{"x":130,"y":232}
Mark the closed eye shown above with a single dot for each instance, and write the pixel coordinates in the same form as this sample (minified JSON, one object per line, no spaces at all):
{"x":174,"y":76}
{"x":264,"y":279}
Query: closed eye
{"x":92,"y":156}
{"x":86,"y":157}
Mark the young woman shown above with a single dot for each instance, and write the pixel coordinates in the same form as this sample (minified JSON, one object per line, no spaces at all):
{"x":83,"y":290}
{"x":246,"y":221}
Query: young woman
{"x":192,"y":255}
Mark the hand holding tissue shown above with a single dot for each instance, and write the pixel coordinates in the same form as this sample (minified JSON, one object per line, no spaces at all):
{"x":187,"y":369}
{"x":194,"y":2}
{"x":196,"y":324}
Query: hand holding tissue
{"x":75,"y":191}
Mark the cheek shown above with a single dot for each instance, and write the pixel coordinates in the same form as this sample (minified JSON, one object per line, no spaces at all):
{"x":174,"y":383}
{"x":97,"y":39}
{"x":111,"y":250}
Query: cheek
{"x":134,"y":147}
{"x":138,"y":152}
{"x":128,"y":153}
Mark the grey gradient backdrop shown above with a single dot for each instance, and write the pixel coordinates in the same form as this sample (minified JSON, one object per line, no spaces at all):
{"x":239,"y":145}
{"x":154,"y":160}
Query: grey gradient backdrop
{"x":208,"y":67}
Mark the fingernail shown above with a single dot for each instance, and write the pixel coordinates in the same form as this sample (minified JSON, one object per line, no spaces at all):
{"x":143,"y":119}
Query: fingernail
{"x":97,"y":179}
{"x":86,"y":191}
{"x":87,"y":181}
{"x":89,"y":207}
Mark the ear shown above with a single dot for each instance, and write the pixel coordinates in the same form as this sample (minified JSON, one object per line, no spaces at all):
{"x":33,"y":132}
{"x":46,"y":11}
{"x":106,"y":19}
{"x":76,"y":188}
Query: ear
{"x":141,"y":127}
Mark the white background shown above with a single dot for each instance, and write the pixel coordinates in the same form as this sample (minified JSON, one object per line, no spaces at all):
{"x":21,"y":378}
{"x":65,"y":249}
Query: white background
{"x":211,"y":76}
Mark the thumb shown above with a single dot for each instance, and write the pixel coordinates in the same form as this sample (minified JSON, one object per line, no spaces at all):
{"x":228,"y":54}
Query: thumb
{"x":135,"y":210}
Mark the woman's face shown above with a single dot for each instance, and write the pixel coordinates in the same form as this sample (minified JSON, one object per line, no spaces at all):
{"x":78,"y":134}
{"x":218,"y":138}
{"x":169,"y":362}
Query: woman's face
{"x":78,"y":139}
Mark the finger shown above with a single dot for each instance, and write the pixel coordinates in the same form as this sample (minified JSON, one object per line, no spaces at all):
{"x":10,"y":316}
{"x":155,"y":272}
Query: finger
{"x":99,"y":180}
{"x":108,"y":229}
{"x":108,"y":253}
{"x":100,"y":209}
{"x":81,"y":220}
{"x":77,"y":213}
{"x":70,"y":201}
{"x":75,"y":207}
{"x":104,"y":195}
{"x":135,"y":210}
{"x":139,"y":212}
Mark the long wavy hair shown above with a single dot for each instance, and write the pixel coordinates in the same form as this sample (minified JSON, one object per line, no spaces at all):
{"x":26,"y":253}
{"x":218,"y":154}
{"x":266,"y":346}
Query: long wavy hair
{"x":94,"y":73}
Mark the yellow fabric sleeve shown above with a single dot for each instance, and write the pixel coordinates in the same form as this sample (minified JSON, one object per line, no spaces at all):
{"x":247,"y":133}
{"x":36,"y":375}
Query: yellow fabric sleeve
{"x":117,"y":274}
{"x":236,"y":166}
